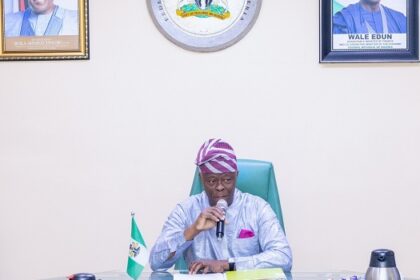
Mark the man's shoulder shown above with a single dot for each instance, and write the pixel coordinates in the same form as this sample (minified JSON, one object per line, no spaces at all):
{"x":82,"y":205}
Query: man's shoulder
{"x":350,"y":9}
{"x":257,"y":207}
{"x":13,"y":22}
{"x":13,"y":17}
{"x":72,"y":14}
{"x":66,"y":13}
{"x":192,"y":201}
{"x":393,"y":12}
{"x":251,"y":199}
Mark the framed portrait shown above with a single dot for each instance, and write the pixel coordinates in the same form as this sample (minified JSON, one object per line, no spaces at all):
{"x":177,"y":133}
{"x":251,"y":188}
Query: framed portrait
{"x":369,"y":31}
{"x":44,"y":30}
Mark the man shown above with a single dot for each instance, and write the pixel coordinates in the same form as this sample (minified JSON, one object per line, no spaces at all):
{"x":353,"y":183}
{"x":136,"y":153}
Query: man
{"x":42,"y":18}
{"x":368,"y":16}
{"x":253,"y":236}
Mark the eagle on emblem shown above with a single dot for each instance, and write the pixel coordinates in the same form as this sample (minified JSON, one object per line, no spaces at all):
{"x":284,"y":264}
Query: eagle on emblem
{"x":203,"y":4}
{"x":203,"y":8}
{"x":134,"y":249}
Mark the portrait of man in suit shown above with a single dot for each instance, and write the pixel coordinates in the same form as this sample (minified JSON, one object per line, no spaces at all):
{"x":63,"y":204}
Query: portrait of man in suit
{"x":368,"y":17}
{"x":41,"y":18}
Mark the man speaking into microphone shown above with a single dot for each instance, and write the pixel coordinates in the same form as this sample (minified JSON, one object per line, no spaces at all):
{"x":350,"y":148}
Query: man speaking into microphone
{"x":222,"y":228}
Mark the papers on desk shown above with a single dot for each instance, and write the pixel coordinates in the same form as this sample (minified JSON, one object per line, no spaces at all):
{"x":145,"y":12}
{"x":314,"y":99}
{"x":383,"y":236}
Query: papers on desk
{"x":212,"y":276}
{"x":254,"y":274}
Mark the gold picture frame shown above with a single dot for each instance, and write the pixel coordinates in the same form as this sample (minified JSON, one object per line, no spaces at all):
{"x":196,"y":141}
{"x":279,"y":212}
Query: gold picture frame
{"x":44,"y":30}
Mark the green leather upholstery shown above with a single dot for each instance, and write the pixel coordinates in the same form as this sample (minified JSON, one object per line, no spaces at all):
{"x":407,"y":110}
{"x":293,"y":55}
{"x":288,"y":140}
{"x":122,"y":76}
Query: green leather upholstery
{"x":255,"y":177}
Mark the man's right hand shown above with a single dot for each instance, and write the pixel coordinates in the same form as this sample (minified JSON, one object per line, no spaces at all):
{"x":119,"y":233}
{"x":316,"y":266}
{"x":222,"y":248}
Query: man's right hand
{"x":205,"y":221}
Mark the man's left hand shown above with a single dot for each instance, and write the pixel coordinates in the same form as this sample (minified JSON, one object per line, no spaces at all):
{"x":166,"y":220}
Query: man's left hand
{"x":208,"y":266}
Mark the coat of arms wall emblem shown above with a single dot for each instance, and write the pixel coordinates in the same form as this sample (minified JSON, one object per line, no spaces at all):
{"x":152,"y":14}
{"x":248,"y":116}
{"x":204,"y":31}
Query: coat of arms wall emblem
{"x":203,"y":8}
{"x":204,"y":25}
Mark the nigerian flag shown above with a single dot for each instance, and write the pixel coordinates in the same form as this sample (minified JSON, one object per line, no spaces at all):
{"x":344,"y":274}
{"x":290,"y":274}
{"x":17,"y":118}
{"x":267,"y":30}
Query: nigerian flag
{"x":137,"y":255}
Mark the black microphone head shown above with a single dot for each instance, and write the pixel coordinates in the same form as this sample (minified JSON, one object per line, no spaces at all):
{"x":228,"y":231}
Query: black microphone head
{"x":220,"y":225}
{"x":222,"y":204}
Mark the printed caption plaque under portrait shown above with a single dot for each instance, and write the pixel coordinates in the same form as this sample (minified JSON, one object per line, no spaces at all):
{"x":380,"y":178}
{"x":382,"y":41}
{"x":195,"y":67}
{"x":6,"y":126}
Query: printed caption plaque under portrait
{"x":44,"y":29}
{"x":204,"y":25}
{"x":369,"y":31}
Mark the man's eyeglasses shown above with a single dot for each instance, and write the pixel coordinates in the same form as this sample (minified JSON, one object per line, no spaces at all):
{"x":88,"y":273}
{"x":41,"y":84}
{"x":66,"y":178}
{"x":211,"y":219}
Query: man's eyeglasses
{"x":212,"y":181}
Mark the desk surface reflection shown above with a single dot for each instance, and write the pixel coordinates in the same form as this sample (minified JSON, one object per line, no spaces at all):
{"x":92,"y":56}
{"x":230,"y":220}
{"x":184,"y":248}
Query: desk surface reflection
{"x":147,"y":275}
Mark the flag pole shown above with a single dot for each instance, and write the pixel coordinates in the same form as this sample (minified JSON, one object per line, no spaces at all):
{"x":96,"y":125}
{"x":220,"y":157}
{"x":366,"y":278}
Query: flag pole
{"x":138,"y":254}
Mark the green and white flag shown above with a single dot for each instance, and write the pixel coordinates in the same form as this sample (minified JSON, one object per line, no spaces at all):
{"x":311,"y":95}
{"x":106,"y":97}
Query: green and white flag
{"x":137,"y":255}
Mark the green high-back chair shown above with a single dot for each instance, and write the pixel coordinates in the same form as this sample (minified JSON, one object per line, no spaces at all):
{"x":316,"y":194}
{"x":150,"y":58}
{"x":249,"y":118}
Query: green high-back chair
{"x":255,"y":177}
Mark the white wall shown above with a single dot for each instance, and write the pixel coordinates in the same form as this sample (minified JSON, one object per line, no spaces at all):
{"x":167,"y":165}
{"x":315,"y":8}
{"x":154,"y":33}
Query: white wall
{"x":84,"y":142}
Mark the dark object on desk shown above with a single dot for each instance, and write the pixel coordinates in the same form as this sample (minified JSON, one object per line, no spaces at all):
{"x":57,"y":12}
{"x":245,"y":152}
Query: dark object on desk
{"x":82,"y":276}
{"x":382,"y":266}
{"x":161,"y":275}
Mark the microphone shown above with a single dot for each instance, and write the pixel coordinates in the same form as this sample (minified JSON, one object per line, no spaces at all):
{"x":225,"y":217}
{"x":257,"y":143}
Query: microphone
{"x":220,"y":225}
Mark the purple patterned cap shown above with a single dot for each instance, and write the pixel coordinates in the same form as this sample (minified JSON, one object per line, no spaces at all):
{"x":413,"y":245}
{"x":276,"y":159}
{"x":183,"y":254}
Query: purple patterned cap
{"x":216,"y":156}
